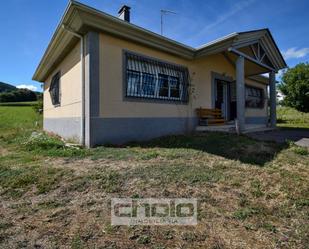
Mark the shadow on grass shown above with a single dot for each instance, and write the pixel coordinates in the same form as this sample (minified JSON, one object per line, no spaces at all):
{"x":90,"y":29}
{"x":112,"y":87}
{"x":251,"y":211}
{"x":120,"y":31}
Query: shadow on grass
{"x":282,"y":135}
{"x":230,"y":146}
{"x":296,"y":129}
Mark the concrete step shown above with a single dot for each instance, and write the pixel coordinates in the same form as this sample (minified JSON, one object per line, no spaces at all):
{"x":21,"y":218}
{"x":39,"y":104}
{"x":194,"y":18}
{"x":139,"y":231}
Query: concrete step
{"x":216,"y":128}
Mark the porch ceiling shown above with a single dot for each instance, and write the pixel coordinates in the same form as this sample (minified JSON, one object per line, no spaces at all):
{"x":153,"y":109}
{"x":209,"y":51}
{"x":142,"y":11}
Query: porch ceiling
{"x":251,"y":68}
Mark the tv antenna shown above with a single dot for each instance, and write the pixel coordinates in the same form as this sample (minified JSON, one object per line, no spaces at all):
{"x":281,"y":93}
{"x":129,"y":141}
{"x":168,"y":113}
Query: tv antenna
{"x":165,"y":12}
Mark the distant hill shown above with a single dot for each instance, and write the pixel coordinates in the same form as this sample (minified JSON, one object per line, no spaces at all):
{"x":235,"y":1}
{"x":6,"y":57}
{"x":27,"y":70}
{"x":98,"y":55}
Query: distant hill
{"x":4,"y":87}
{"x":10,"y":93}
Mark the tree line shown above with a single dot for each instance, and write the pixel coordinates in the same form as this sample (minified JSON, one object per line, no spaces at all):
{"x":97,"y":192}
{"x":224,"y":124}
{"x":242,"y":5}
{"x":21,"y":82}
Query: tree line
{"x":18,"y":95}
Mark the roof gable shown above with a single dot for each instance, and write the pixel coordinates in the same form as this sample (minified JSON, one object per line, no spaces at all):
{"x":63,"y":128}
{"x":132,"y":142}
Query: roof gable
{"x":264,"y":47}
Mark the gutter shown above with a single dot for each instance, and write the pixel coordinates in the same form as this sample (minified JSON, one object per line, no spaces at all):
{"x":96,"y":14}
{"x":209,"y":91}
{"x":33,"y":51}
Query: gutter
{"x":81,"y":37}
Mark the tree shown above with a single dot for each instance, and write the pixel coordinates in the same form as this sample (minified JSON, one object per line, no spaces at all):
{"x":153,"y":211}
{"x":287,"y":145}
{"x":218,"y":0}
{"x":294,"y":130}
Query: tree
{"x":18,"y":95}
{"x":295,"y":86}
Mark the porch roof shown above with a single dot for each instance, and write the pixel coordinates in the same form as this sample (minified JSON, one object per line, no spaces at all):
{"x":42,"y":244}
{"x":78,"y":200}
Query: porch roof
{"x":82,"y":18}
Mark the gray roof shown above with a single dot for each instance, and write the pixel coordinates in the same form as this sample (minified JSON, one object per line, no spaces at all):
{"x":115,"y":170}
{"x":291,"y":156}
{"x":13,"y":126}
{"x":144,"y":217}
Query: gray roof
{"x":82,"y":18}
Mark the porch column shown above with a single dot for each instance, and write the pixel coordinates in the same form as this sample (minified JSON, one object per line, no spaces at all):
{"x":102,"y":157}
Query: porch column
{"x":272,"y":99}
{"x":240,"y":92}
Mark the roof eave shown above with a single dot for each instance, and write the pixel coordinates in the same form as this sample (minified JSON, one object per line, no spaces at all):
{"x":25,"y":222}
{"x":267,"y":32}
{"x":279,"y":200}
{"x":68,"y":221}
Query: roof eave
{"x":82,"y":18}
{"x":56,"y":35}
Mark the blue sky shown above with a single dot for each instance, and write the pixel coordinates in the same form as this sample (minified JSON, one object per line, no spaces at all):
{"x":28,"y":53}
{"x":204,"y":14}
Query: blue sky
{"x":27,"y":26}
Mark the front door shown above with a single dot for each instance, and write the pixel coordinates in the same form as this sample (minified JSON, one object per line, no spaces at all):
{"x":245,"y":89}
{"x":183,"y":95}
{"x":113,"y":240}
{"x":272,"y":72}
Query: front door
{"x":222,"y":98}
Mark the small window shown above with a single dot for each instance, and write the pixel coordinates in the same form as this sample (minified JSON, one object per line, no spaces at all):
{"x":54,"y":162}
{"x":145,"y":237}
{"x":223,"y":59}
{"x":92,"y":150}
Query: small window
{"x":54,"y":89}
{"x":149,"y":78}
{"x":254,"y":97}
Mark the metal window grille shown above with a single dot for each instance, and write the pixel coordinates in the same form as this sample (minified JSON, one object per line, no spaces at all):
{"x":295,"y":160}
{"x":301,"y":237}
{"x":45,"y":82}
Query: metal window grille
{"x":153,"y":79}
{"x":254,"y":97}
{"x":54,"y":89}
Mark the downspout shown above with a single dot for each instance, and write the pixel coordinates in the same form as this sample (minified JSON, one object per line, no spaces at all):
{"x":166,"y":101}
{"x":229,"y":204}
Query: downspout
{"x":81,"y":37}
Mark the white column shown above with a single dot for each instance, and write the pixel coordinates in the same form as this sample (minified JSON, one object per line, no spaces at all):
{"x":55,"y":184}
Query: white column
{"x":240,"y":92}
{"x":272,"y":99}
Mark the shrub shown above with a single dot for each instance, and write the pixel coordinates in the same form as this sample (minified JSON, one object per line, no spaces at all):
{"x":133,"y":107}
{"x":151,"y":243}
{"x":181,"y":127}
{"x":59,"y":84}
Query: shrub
{"x":38,"y":106}
{"x":48,"y":145}
{"x":42,"y":141}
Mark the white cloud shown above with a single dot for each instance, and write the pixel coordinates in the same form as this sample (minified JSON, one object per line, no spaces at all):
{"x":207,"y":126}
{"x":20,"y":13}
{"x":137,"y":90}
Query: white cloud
{"x":294,"y":53}
{"x":30,"y":87}
{"x":280,"y":73}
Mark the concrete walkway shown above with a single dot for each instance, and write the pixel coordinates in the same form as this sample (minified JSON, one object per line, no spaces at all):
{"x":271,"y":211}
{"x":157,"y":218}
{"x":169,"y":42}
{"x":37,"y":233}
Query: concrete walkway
{"x":299,"y":136}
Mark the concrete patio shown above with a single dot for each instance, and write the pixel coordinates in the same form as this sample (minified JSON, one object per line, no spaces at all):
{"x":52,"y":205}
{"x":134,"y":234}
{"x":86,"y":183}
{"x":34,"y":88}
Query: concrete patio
{"x":299,"y":136}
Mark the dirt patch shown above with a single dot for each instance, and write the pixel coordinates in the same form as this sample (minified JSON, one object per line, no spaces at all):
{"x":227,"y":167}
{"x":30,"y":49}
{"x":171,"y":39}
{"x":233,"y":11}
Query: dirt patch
{"x":4,"y":151}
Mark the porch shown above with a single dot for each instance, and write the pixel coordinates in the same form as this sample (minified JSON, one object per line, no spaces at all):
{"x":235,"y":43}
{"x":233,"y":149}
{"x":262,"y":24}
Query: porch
{"x":252,"y":54}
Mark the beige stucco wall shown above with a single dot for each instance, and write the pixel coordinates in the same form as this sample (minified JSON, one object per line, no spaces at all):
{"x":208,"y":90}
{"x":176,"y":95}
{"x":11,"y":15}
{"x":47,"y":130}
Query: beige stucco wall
{"x":70,"y":88}
{"x":111,"y":81}
{"x":112,"y":103}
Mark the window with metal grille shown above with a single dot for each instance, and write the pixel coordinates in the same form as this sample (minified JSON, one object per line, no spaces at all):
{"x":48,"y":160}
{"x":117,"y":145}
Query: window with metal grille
{"x":54,"y":89}
{"x":254,"y":97}
{"x":152,"y":79}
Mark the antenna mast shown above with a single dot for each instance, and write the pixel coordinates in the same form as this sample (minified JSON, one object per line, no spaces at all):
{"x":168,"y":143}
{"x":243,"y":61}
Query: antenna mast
{"x":164,"y":12}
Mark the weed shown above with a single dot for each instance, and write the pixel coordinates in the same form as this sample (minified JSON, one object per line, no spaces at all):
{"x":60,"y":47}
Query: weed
{"x":110,"y":181}
{"x":77,"y":242}
{"x":269,"y":227}
{"x":245,"y":213}
{"x":243,"y":202}
{"x":301,"y":151}
{"x":5,"y":225}
{"x":256,"y":188}
{"x":188,"y":236}
{"x":168,"y":235}
{"x":143,"y":239}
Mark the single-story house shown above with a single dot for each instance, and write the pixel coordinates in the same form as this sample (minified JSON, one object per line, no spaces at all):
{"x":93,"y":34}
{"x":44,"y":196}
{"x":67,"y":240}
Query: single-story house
{"x":107,"y":80}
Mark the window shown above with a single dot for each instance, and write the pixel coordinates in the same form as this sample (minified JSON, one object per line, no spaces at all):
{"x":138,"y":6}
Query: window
{"x":152,"y":79}
{"x":54,"y":89}
{"x":254,"y":97}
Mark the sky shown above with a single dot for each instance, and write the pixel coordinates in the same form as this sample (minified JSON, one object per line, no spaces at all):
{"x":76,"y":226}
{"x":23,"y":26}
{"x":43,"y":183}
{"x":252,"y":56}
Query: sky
{"x":28,"y":25}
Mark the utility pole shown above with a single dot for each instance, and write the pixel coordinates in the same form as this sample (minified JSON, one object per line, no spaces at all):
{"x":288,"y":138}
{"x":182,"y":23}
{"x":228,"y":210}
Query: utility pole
{"x":164,"y":12}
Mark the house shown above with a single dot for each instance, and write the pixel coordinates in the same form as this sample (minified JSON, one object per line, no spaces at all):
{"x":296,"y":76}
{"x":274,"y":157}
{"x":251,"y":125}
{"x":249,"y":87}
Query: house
{"x":107,"y":80}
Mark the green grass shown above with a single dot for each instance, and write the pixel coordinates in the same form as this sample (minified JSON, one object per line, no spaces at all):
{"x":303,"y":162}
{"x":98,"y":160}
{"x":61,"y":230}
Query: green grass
{"x":21,"y":128}
{"x":18,"y":180}
{"x":246,"y":189}
{"x":290,"y":118}
{"x":16,"y":118}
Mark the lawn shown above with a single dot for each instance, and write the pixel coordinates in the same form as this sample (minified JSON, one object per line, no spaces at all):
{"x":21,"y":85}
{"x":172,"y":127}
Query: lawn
{"x":251,"y":194}
{"x":291,"y":118}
